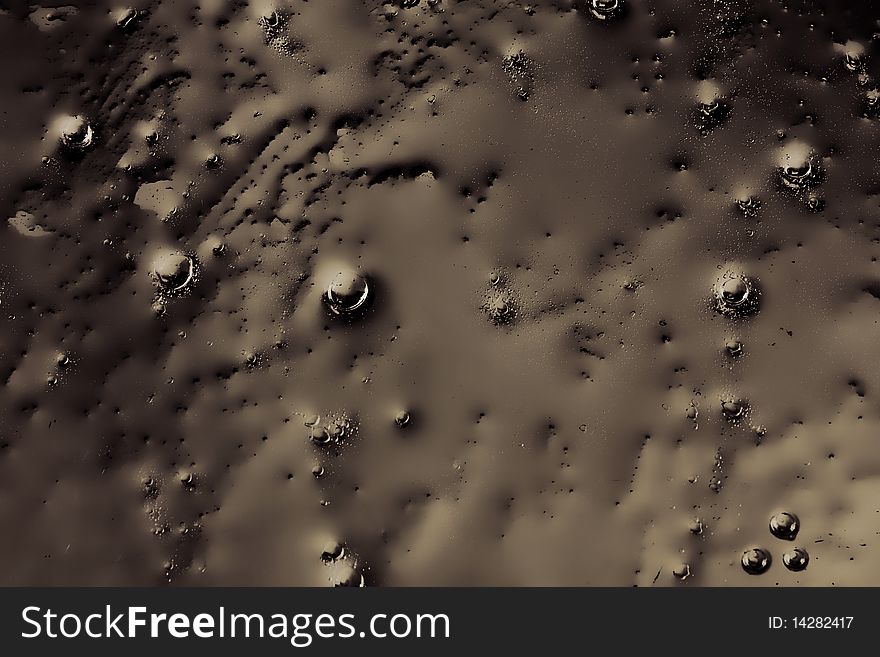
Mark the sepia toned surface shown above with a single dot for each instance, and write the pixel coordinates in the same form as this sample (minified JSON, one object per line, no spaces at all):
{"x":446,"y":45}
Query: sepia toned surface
{"x":438,"y":292}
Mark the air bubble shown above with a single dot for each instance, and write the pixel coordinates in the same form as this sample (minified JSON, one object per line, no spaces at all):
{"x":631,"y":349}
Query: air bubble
{"x":785,"y":525}
{"x":796,"y":559}
{"x":756,"y":561}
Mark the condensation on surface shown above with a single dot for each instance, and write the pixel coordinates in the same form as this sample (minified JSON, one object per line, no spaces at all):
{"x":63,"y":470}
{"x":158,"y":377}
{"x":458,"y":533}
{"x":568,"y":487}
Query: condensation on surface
{"x":440,"y":293}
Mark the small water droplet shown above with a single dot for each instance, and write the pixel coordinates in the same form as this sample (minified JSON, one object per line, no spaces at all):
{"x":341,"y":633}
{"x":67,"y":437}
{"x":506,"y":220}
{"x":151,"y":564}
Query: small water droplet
{"x":402,"y":418}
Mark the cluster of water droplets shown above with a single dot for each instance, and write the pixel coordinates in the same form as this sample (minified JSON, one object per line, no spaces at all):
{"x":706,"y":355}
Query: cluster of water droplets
{"x":784,"y":526}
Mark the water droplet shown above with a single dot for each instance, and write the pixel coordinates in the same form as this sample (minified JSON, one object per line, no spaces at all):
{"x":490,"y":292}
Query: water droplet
{"x":785,"y":525}
{"x":402,"y":418}
{"x":333,"y":551}
{"x":348,"y":293}
{"x":796,"y":559}
{"x":126,"y":19}
{"x":733,"y":410}
{"x":734,"y":348}
{"x":173,"y":271}
{"x":749,"y":206}
{"x":736,"y":295}
{"x":854,"y":57}
{"x":798,"y":167}
{"x":75,"y":133}
{"x":696,"y":526}
{"x":756,"y":561}
{"x":682,"y":571}
{"x":605,"y":9}
{"x":320,"y":436}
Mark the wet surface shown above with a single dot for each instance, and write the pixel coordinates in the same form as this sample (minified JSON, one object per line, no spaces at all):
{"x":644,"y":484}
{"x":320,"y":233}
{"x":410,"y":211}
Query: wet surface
{"x":441,"y":292}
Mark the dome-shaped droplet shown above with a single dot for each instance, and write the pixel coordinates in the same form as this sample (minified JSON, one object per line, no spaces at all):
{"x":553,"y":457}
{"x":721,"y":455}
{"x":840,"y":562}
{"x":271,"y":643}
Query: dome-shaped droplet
{"x":401,"y":418}
{"x":796,"y":559}
{"x":173,"y":271}
{"x":736,"y":295}
{"x":733,"y":409}
{"x":605,"y":9}
{"x":798,"y":167}
{"x":682,"y":571}
{"x":734,"y":348}
{"x":785,"y":525}
{"x":756,"y":561}
{"x":75,"y":133}
{"x":854,"y":55}
{"x":348,"y":293}
{"x":126,"y":19}
{"x":696,"y":526}
{"x":319,"y":435}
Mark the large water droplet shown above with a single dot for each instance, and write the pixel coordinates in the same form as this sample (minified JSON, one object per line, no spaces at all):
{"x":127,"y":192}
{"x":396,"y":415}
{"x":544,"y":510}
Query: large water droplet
{"x":756,"y":561}
{"x":348,"y":293}
{"x":798,"y":167}
{"x":736,"y":295}
{"x":75,"y":133}
{"x":173,"y":271}
{"x":733,"y":410}
{"x":785,"y":525}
